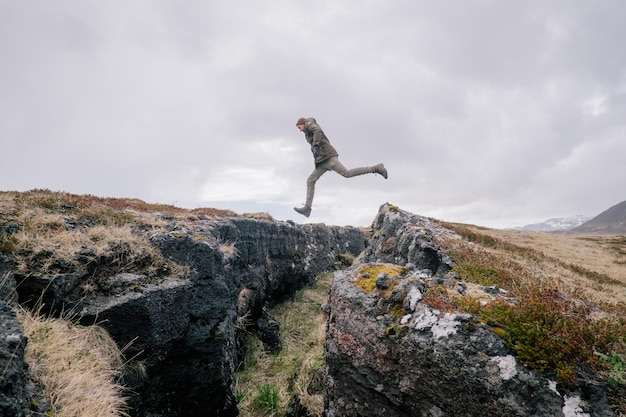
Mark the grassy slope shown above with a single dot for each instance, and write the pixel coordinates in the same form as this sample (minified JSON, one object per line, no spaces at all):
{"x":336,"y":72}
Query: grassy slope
{"x":568,"y":257}
{"x":569,"y":315}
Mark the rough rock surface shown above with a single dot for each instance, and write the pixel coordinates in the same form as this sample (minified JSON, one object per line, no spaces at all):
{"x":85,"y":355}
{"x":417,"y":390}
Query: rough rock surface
{"x":14,"y":377}
{"x":187,"y":333}
{"x":387,"y":352}
{"x":425,"y":362}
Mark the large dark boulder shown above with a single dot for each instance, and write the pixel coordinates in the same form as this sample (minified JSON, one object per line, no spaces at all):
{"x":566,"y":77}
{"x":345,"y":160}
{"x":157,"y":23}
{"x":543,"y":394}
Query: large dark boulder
{"x":184,"y":335}
{"x":433,"y":364}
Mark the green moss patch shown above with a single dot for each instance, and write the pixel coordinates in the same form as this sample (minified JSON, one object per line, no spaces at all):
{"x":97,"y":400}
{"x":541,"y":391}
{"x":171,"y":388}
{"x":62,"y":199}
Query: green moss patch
{"x":367,"y":274}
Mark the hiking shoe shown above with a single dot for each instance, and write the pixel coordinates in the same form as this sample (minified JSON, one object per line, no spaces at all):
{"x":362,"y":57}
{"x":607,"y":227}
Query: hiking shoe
{"x":380,"y":169}
{"x":305,"y":211}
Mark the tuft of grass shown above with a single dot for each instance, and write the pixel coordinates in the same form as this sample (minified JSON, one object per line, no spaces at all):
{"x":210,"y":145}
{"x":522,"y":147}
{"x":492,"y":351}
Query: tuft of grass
{"x":267,"y":399}
{"x":8,"y":244}
{"x":52,"y":229}
{"x":344,"y":260}
{"x":229,"y":250}
{"x":77,"y":366}
{"x":264,"y":216}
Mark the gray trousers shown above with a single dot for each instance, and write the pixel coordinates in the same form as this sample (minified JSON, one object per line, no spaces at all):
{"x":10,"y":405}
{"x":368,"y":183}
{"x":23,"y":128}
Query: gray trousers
{"x":332,"y":164}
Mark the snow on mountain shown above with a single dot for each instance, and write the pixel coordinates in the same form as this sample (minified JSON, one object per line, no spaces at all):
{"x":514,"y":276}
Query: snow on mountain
{"x":557,"y":224}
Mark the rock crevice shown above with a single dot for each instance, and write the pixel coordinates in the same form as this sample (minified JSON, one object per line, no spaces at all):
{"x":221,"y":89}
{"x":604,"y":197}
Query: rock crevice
{"x":387,"y":352}
{"x":187,"y":332}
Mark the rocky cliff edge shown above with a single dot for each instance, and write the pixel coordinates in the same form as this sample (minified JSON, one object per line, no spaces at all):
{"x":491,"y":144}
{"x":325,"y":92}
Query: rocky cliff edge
{"x":181,"y":322}
{"x":387,"y":351}
{"x":390,"y":353}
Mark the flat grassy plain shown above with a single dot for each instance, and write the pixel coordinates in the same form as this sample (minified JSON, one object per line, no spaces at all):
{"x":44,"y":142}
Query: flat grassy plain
{"x":568,"y":257}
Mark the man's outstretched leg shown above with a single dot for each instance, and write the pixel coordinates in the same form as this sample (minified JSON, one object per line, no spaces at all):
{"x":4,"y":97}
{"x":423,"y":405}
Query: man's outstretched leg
{"x":310,"y":190}
{"x":340,"y":169}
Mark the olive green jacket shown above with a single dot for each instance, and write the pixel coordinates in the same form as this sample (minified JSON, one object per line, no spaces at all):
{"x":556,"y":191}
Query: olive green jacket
{"x":316,"y":138}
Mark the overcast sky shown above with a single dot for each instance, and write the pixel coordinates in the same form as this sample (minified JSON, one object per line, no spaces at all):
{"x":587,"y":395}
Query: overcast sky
{"x":498,"y":113}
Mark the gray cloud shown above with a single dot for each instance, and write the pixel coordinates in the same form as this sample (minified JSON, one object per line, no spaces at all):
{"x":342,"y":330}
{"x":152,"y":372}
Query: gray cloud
{"x":487,"y":112}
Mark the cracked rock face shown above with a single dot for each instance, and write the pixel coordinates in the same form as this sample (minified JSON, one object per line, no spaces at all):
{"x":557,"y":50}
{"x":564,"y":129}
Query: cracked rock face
{"x":14,"y":378}
{"x":414,"y":360}
{"x":187,"y":332}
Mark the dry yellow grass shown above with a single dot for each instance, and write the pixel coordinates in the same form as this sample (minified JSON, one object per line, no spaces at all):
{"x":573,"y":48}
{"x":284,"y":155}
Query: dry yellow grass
{"x":76,"y":366}
{"x":45,"y":237}
{"x":568,"y":256}
{"x":44,"y":232}
{"x":66,"y":202}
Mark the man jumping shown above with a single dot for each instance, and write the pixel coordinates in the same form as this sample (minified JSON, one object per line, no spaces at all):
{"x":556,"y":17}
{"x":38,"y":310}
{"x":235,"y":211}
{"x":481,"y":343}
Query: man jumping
{"x":326,"y":158}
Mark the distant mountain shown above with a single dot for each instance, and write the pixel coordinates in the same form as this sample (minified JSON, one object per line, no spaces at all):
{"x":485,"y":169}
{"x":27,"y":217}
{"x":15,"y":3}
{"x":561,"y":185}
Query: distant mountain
{"x":557,"y":224}
{"x":609,"y":222}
